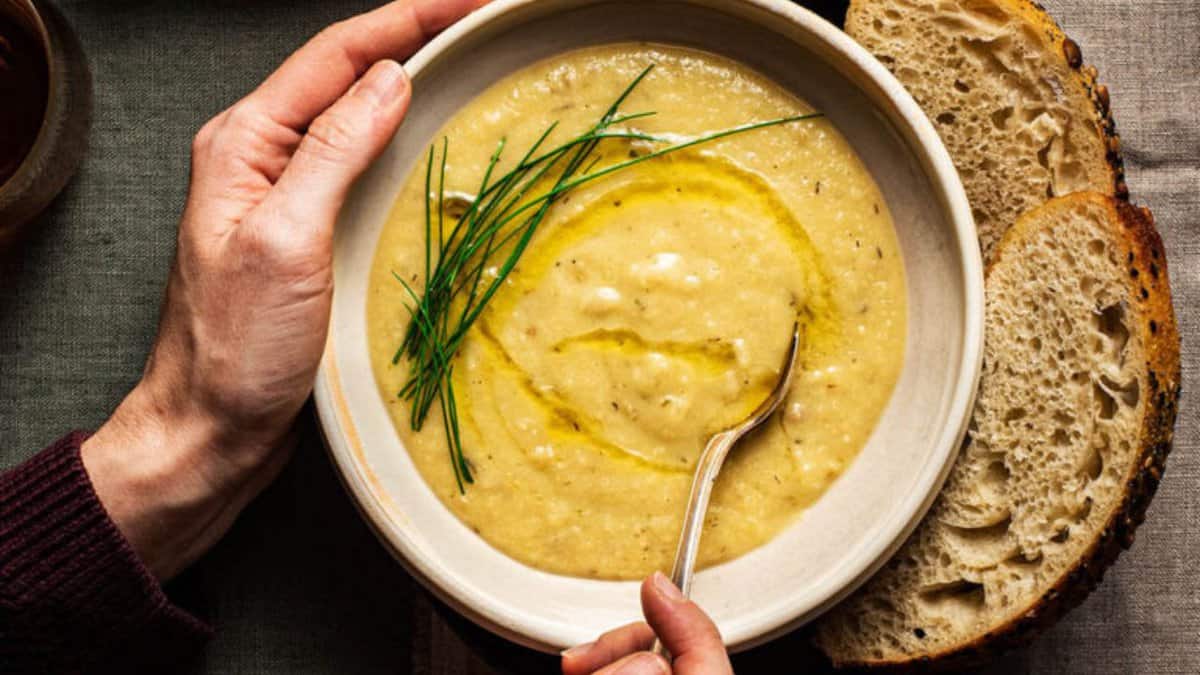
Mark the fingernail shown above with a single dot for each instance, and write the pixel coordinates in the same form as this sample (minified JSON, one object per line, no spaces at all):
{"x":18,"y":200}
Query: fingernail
{"x":643,"y":664}
{"x":383,"y":83}
{"x":577,"y":650}
{"x":663,"y":585}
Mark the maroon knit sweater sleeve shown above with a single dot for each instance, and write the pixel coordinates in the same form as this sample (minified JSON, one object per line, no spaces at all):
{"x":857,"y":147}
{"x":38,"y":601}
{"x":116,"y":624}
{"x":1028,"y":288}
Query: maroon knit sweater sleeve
{"x":74,"y":597}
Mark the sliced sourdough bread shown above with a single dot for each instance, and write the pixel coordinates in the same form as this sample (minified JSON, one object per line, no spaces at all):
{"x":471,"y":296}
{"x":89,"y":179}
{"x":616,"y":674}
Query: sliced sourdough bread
{"x":1022,"y":117}
{"x":1068,"y":440}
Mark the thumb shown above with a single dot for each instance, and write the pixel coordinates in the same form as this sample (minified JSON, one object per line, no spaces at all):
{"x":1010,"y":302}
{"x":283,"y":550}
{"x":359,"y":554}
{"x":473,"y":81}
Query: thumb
{"x":684,"y":628}
{"x":341,"y":143}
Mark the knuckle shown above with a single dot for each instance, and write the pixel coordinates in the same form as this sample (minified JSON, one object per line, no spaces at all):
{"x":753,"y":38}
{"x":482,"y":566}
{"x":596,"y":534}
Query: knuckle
{"x":332,"y":35}
{"x":235,"y":135}
{"x":201,"y":140}
{"x":216,"y":134}
{"x":243,"y":115}
{"x":332,"y":134}
{"x":204,"y":137}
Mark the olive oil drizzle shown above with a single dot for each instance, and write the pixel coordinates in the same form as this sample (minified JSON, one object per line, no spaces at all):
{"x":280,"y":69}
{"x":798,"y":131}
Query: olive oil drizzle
{"x":497,"y":226}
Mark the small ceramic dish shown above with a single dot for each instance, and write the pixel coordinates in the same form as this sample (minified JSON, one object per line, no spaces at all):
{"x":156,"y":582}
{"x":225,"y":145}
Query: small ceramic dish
{"x":852,"y":530}
{"x":62,"y":137}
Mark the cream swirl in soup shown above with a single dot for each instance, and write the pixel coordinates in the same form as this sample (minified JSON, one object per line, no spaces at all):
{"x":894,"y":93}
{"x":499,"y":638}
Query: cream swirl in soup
{"x":652,"y":309}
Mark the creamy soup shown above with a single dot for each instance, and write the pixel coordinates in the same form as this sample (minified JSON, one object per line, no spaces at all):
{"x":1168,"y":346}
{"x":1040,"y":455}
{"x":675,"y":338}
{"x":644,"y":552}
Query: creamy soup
{"x":652,"y":309}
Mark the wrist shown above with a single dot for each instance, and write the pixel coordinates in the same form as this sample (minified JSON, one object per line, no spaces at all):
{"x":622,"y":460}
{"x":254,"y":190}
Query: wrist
{"x":161,"y":471}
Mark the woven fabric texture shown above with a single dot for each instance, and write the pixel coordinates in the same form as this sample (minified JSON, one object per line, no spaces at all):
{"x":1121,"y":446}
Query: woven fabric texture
{"x":300,"y":584}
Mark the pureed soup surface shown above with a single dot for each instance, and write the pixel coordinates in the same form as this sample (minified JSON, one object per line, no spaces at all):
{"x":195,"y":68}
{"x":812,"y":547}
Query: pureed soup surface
{"x":652,"y":309}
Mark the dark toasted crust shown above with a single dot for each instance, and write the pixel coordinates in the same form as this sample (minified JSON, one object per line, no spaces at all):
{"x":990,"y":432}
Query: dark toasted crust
{"x":1150,"y":299}
{"x":1108,"y":128}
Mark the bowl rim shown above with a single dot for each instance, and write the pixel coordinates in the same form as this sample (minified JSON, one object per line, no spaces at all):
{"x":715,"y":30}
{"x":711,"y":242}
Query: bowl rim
{"x":918,"y":133}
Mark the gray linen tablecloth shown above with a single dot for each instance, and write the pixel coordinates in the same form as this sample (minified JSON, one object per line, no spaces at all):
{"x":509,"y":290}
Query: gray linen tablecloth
{"x":300,"y":585}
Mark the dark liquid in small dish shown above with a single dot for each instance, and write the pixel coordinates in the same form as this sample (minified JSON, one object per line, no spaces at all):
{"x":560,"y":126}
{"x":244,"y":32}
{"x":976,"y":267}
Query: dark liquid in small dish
{"x":24,"y":90}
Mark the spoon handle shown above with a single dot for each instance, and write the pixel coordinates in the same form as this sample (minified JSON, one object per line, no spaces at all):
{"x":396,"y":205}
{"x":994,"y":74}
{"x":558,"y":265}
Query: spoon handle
{"x":693,"y":520}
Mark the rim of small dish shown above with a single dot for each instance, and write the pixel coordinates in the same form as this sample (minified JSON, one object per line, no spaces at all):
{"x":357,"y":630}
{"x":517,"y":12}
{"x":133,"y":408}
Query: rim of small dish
{"x":524,"y":628}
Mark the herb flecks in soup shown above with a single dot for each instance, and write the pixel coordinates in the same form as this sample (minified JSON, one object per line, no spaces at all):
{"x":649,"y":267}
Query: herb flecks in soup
{"x":651,"y":309}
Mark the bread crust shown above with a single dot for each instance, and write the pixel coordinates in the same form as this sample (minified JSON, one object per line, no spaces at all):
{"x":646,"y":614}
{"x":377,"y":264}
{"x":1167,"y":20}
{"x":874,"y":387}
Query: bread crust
{"x":1149,"y":292}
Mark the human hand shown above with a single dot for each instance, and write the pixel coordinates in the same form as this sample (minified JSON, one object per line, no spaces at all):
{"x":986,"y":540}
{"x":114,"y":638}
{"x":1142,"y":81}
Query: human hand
{"x":247,"y":307}
{"x":683,"y":627}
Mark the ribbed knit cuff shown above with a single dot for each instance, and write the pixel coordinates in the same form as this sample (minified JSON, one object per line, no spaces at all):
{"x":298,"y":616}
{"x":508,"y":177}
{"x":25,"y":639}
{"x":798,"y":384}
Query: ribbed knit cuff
{"x":73,"y":594}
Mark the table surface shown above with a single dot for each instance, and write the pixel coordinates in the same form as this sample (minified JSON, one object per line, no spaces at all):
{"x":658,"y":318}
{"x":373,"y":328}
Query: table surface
{"x":300,"y":585}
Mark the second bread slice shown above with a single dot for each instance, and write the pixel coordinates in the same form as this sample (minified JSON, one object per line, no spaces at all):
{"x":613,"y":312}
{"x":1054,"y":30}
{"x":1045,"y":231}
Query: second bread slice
{"x":1068,"y":439}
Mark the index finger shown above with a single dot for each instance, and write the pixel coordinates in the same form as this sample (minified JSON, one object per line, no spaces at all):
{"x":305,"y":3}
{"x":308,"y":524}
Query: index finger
{"x":607,"y":649}
{"x":311,"y":79}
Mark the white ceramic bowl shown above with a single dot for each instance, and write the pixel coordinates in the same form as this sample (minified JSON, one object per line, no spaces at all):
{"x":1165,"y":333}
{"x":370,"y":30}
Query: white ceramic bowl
{"x":866,"y":514}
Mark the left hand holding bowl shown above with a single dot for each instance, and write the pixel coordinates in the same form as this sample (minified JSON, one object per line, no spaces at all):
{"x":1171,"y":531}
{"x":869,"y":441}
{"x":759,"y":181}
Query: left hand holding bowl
{"x":247,"y":309}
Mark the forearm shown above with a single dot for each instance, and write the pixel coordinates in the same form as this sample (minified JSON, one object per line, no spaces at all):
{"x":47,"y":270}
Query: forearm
{"x":72,"y":590}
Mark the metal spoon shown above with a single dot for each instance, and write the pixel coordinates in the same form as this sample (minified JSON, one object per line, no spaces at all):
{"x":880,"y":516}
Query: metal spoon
{"x":709,"y":466}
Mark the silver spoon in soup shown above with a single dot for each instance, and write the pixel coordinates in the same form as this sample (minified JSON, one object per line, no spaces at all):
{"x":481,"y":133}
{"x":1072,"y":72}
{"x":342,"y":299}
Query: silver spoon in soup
{"x":709,"y":465}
